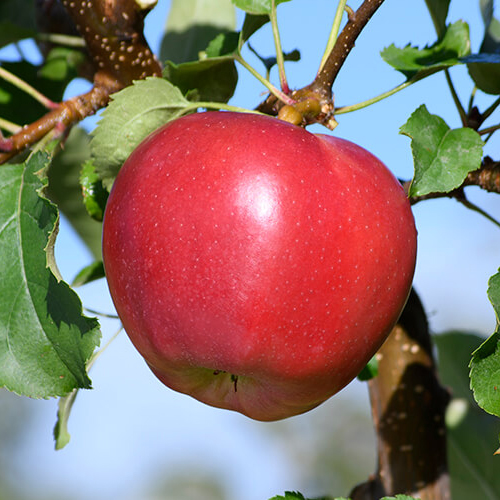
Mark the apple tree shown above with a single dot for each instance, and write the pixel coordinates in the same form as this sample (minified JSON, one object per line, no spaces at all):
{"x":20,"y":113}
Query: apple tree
{"x":170,"y":120}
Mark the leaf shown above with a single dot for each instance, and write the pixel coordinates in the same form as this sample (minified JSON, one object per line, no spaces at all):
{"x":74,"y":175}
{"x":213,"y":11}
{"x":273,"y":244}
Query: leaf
{"x":224,"y":44}
{"x":45,"y":341}
{"x":212,"y":79}
{"x":62,"y":63}
{"x":11,"y":33}
{"x":411,"y":60}
{"x":269,"y":62}
{"x":94,"y":194}
{"x":369,"y":371}
{"x":133,"y":113}
{"x":17,"y":20}
{"x":92,"y":272}
{"x":295,"y":495}
{"x":399,"y":497}
{"x":256,"y":6}
{"x":443,"y":157}
{"x":64,"y":188}
{"x":192,"y":24}
{"x":64,"y":406}
{"x":485,"y":74}
{"x":485,"y":363}
{"x":471,"y":432}
{"x":439,"y":12}
{"x":251,"y":24}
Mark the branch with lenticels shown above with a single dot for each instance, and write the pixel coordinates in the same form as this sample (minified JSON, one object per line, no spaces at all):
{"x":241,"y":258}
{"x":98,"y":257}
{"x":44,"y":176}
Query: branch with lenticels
{"x":119,"y":54}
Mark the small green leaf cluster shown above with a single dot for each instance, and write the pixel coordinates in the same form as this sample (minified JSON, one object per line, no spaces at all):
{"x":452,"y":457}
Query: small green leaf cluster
{"x":295,"y":495}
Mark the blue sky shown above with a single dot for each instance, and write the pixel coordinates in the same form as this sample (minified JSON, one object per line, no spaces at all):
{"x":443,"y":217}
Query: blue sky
{"x":130,"y":426}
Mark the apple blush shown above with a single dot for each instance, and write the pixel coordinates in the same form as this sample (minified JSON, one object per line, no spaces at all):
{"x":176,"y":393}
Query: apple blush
{"x":256,"y":266}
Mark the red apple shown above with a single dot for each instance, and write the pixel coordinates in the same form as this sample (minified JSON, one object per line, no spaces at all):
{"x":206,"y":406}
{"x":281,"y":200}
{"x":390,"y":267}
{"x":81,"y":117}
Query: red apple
{"x":254,"y":265}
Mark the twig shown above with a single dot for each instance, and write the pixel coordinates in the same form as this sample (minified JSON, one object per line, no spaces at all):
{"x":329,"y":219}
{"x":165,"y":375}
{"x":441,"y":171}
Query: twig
{"x":343,"y":46}
{"x":66,"y":114}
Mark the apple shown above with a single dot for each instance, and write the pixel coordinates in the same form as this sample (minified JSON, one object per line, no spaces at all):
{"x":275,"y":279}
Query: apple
{"x":256,"y":266}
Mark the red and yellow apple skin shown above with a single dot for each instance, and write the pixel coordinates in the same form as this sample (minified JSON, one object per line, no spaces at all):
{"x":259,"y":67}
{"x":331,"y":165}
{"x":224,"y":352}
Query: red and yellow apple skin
{"x":256,"y":266}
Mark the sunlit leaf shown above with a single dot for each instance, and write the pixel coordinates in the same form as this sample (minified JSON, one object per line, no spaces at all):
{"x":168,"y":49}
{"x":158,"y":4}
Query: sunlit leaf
{"x":256,"y":6}
{"x":45,"y":341}
{"x":442,"y":156}
{"x":133,"y":114}
{"x":445,"y":53}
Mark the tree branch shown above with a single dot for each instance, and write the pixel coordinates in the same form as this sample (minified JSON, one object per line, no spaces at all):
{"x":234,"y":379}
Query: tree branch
{"x":408,"y":408}
{"x":119,"y":53}
{"x":345,"y":42}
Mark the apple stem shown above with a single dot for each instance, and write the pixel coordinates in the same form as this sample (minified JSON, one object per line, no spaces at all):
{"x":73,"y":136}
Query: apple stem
{"x":280,"y":60}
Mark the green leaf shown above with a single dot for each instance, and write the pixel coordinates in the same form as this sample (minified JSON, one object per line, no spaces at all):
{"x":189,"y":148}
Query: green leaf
{"x":369,"y":371}
{"x":484,"y":69}
{"x":411,"y":60}
{"x":11,"y":33}
{"x":485,"y":363}
{"x":471,"y":432}
{"x":399,"y":497}
{"x":192,"y":24}
{"x":64,"y":188}
{"x":17,"y":20}
{"x":94,"y":194}
{"x":251,"y":24}
{"x":256,"y":6}
{"x":439,"y":12}
{"x":92,"y":272}
{"x":64,"y":406}
{"x":62,"y":63}
{"x":211,"y":79}
{"x":443,"y":157}
{"x":295,"y":495}
{"x":45,"y":341}
{"x":133,"y":113}
{"x":269,"y":62}
{"x":224,"y":44}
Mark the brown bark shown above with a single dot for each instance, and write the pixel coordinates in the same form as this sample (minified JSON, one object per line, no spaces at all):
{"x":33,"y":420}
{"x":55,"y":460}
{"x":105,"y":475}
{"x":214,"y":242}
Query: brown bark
{"x":408,"y":408}
{"x":119,"y":53}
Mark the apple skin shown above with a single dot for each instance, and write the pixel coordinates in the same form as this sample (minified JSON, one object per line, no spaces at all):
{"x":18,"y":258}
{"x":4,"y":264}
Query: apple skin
{"x":255,"y":266}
